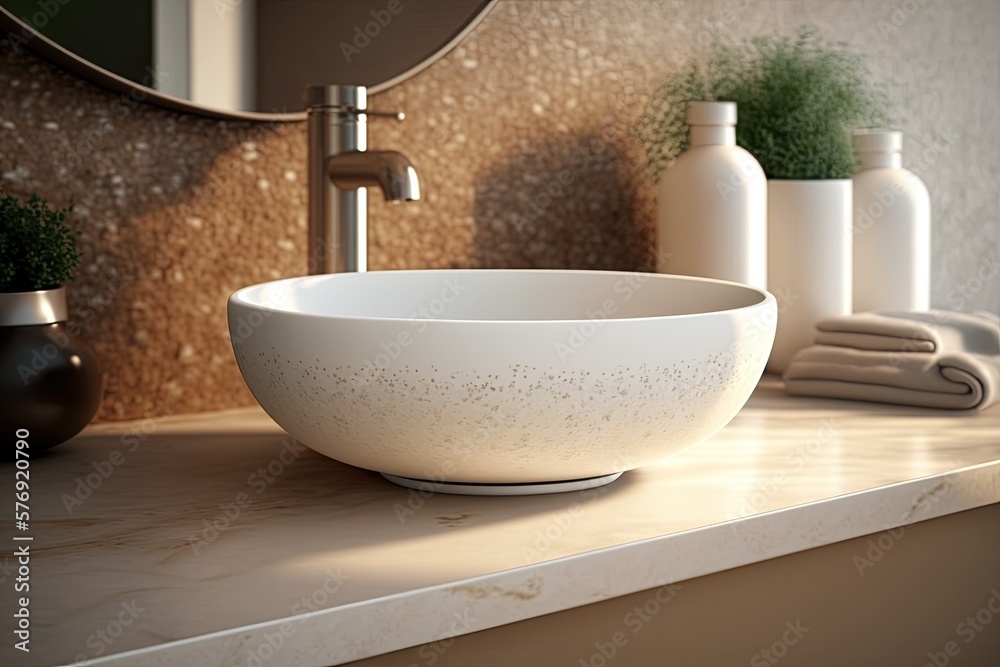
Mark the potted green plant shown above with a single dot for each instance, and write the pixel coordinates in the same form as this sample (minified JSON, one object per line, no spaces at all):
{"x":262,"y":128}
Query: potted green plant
{"x":799,"y":99}
{"x":50,"y":382}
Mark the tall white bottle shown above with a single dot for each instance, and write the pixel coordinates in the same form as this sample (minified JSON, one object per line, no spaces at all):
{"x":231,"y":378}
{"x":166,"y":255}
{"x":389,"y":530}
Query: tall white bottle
{"x":712,"y":203}
{"x":892,"y":228}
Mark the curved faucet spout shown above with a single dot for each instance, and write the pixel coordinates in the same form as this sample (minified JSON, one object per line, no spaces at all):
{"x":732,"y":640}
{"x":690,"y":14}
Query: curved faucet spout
{"x":389,"y":170}
{"x":340,"y":169}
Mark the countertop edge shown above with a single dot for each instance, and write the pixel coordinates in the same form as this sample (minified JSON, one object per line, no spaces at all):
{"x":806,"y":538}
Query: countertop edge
{"x":546,"y":587}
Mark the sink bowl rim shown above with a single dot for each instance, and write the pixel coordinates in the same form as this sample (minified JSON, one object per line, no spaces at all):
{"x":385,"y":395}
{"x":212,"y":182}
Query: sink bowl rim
{"x":238,"y":298}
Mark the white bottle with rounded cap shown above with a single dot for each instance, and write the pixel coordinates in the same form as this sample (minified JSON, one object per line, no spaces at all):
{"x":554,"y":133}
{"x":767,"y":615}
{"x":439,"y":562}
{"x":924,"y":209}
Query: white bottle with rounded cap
{"x":892,"y":228}
{"x":712,"y":203}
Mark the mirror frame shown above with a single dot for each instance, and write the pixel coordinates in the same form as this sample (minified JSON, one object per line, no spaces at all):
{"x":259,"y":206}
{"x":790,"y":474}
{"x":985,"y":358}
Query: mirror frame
{"x":56,"y":54}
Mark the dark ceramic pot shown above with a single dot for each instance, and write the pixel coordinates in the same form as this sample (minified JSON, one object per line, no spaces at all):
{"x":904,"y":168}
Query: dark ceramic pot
{"x":50,"y":380}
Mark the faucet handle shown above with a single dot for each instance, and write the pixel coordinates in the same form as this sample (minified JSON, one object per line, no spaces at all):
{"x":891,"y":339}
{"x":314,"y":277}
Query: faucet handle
{"x":398,"y":115}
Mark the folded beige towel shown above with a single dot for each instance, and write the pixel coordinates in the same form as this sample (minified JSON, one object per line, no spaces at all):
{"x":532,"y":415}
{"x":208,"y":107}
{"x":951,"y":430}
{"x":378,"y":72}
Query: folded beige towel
{"x":936,"y":359}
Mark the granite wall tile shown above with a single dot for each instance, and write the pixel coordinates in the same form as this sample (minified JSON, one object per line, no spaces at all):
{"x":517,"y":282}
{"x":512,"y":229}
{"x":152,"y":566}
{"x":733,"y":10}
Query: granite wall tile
{"x":522,"y":139}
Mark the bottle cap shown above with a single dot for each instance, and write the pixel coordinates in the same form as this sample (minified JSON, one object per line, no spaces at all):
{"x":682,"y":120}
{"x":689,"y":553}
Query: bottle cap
{"x":711,"y":113}
{"x":878,"y":140}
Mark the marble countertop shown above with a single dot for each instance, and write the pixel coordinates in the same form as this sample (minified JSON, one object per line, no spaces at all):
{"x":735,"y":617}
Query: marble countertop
{"x":216,"y":540}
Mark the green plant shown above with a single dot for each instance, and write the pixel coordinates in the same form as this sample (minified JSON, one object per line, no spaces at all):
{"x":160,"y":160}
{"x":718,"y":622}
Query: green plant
{"x":798,"y":99}
{"x":37,"y":247}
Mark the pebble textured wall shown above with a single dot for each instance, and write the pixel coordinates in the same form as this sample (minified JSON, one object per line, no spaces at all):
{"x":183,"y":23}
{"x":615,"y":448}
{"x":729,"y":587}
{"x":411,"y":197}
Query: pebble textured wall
{"x":521,"y":138}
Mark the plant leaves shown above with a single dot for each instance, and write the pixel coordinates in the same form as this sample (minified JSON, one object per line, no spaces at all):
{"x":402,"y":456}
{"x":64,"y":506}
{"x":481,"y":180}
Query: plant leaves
{"x":38,"y":249}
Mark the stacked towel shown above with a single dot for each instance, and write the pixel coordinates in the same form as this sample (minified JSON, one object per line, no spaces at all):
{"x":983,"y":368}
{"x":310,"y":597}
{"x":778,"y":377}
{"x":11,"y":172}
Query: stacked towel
{"x":934,"y":359}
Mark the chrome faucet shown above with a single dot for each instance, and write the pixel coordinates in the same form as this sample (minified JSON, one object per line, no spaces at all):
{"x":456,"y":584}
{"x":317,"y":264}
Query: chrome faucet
{"x":340,"y":169}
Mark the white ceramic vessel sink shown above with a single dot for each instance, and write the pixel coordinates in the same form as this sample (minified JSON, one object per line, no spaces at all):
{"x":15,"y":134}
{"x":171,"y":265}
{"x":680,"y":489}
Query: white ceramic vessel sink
{"x":501,"y":381}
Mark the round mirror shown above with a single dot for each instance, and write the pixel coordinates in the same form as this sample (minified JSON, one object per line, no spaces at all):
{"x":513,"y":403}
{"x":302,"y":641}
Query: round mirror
{"x":240,"y":58}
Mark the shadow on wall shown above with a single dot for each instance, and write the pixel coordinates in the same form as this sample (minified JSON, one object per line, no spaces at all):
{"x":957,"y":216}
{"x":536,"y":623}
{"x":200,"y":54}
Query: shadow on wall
{"x":174,"y":212}
{"x":584,"y":188}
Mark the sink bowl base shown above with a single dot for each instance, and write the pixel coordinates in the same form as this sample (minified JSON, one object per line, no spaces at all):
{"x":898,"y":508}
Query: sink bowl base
{"x":526,"y":489}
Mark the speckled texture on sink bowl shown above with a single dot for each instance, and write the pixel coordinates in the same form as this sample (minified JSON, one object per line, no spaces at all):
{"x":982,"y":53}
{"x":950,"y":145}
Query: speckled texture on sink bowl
{"x":501,"y":376}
